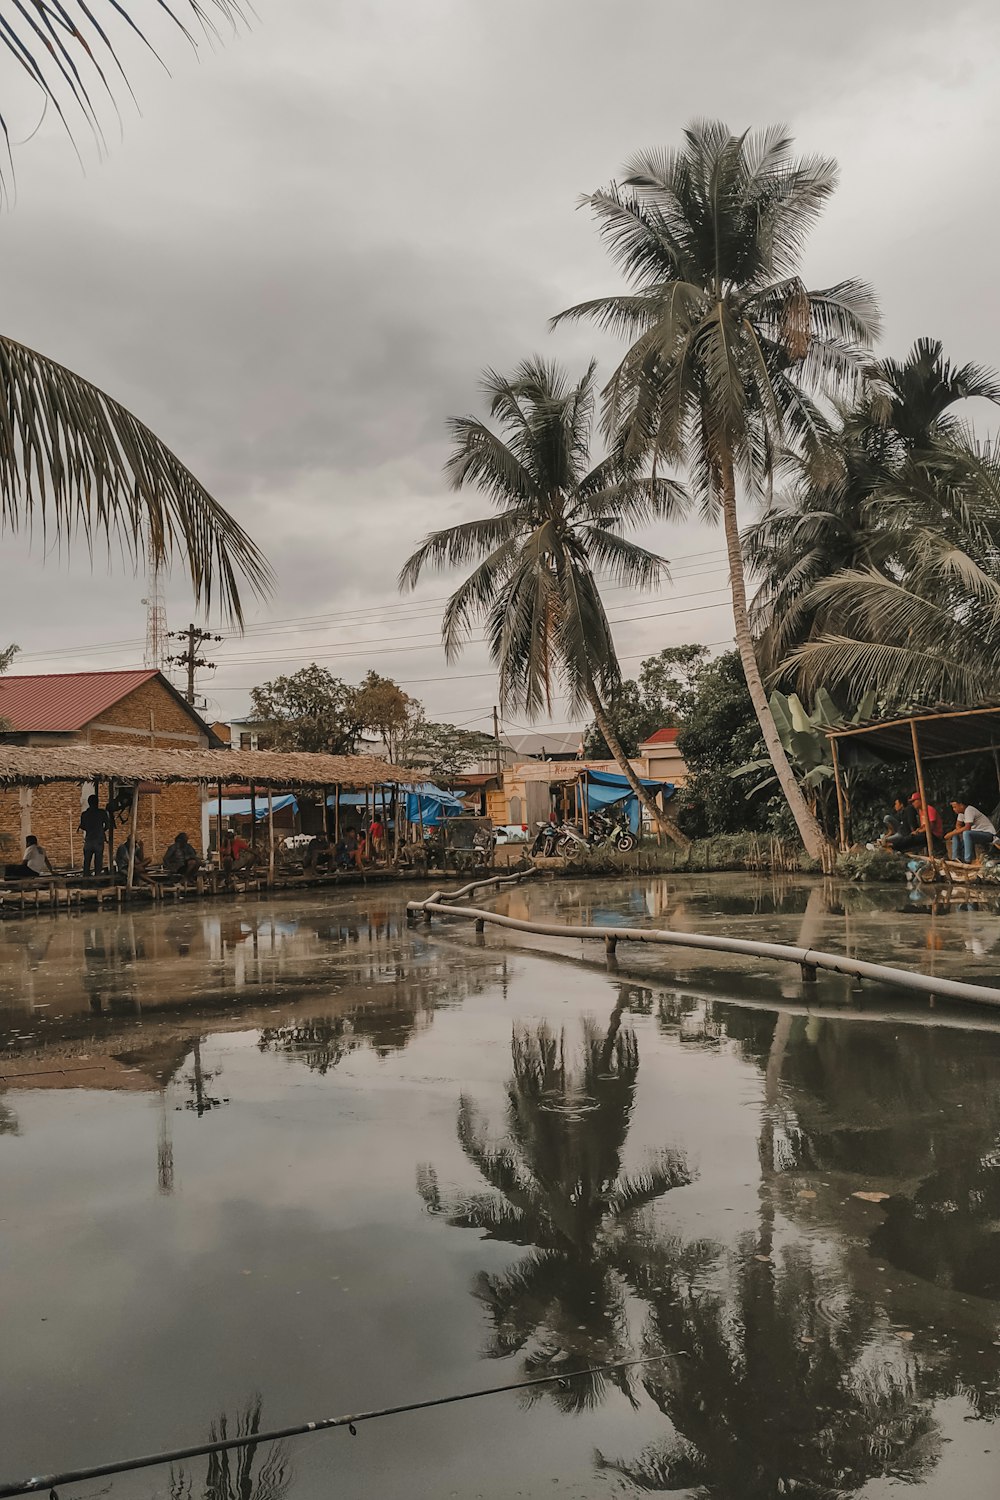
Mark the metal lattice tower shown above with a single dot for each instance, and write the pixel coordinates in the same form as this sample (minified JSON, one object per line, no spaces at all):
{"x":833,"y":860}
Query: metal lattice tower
{"x":155,"y":654}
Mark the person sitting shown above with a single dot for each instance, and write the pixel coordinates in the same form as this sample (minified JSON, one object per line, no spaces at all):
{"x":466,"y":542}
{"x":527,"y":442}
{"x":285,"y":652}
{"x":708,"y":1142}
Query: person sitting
{"x":903,"y":826}
{"x":140,"y":867}
{"x":34,"y":862}
{"x":929,"y":819}
{"x":235,"y":854}
{"x":318,"y":855}
{"x":972,"y":829}
{"x":181,"y":859}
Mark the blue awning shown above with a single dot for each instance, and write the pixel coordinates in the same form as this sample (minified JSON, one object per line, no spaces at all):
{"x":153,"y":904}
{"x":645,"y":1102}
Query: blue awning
{"x":239,"y":807}
{"x":606,"y":790}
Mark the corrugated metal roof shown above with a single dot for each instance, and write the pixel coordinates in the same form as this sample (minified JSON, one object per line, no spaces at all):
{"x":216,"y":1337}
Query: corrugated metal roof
{"x":62,"y":702}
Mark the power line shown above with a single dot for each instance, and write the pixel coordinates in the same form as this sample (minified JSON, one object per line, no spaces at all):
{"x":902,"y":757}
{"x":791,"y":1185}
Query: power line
{"x":403,"y":610}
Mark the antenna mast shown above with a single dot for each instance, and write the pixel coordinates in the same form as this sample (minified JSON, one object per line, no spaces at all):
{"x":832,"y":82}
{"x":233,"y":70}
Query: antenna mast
{"x":155,"y":654}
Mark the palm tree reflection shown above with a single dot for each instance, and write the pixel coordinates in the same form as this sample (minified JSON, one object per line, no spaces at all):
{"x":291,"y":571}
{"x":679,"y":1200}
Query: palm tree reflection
{"x":779,"y":1391}
{"x":555,"y":1182}
{"x":231,"y":1475}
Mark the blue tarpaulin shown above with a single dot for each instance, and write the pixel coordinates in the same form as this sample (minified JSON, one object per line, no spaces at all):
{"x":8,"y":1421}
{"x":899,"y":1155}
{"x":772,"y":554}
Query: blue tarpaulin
{"x":239,"y":807}
{"x":430,"y":804}
{"x":606,"y":790}
{"x":434,"y":802}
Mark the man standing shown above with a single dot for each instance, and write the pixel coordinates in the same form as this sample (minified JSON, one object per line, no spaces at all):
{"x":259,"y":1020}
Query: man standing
{"x":94,"y":824}
{"x":972,"y":828}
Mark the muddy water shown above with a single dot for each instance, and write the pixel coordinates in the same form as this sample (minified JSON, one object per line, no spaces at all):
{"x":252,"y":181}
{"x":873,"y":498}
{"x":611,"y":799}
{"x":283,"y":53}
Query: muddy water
{"x":264,"y":1162}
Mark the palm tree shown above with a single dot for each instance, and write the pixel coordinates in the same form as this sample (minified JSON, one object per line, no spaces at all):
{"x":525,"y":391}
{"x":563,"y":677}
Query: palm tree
{"x":882,"y":489}
{"x":555,"y":1182}
{"x":73,"y":460}
{"x":726,"y":340}
{"x":556,"y":522}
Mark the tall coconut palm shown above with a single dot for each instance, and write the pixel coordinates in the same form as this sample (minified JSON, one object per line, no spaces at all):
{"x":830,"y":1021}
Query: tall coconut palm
{"x":727,"y":344}
{"x":557,"y":521}
{"x":74,"y":462}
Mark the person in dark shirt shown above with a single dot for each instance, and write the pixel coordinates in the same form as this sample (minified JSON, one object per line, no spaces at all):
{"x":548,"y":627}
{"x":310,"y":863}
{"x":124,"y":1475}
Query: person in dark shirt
{"x":181,"y":858}
{"x":903,"y":825}
{"x":94,"y":824}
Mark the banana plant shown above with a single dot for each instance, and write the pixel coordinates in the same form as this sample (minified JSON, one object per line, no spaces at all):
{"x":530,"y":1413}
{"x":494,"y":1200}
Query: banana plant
{"x":805,"y":739}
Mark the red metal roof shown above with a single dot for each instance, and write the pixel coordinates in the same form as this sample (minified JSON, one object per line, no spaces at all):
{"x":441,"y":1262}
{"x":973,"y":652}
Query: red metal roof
{"x":662,"y":737}
{"x":62,"y":702}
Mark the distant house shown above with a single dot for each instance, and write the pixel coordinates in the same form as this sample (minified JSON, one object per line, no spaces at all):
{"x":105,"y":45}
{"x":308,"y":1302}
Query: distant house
{"x":99,"y":708}
{"x":661,"y":758}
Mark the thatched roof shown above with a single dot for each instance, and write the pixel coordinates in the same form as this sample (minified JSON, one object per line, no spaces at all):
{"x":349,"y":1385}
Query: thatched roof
{"x":27,"y":766}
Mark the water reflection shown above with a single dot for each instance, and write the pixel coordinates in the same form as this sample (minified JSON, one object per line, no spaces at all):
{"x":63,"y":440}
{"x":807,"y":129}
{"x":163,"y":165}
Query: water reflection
{"x":241,"y":1474}
{"x":555,"y":1183}
{"x":778,"y":1391}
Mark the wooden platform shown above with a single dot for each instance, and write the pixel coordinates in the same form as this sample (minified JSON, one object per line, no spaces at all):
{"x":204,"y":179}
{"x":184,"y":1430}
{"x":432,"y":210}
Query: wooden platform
{"x":75,"y":893}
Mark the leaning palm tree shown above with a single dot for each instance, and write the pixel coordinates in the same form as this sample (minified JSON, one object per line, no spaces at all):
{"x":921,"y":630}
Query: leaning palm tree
{"x":727,"y":344}
{"x":74,"y":462}
{"x":557,"y":521}
{"x":888,"y":483}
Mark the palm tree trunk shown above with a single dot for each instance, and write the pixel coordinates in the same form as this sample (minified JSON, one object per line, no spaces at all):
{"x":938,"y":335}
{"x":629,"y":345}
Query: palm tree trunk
{"x":811,"y":833}
{"x":667,"y":825}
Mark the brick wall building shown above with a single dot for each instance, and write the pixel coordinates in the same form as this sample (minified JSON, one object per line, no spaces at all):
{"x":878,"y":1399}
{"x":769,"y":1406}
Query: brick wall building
{"x":110,"y":708}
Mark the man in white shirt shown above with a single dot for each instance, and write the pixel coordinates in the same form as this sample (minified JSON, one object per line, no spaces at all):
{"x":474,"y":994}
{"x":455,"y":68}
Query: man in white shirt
{"x":972,"y":828}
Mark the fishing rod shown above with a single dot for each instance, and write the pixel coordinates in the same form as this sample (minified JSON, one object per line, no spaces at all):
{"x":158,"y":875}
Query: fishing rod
{"x":53,"y":1482}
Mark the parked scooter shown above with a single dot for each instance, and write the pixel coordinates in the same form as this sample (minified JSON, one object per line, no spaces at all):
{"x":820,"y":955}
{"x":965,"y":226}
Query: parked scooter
{"x":614,"y":833}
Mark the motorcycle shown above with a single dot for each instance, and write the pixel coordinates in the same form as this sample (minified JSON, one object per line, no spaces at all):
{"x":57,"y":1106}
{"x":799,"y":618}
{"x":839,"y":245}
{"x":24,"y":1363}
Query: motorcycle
{"x":614,"y":833}
{"x":545,"y":839}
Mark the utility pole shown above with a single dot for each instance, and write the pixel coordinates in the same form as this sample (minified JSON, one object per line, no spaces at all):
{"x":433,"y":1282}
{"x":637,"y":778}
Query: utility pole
{"x":190,"y":658}
{"x":496,"y":736}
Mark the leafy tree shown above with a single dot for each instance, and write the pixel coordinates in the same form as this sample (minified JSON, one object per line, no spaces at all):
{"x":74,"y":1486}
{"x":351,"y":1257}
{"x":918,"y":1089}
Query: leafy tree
{"x":556,"y":521}
{"x":720,"y":733}
{"x":445,"y":750}
{"x":380,"y":705}
{"x":726,"y":340}
{"x":656,"y":701}
{"x":73,"y":460}
{"x":308,"y":710}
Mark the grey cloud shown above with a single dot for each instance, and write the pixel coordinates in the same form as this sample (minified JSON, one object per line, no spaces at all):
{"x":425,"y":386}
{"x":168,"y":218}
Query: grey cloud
{"x":296,"y":264}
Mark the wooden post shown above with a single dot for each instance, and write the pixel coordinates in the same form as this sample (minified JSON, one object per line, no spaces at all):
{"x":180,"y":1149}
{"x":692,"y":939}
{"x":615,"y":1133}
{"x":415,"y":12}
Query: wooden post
{"x":920,"y":787}
{"x":135,"y":834}
{"x":336,"y":814}
{"x":841,"y":808}
{"x":270,"y":837}
{"x":585,"y":800}
{"x":111,"y":827}
{"x":72,"y":853}
{"x":218,"y":831}
{"x":253,"y":816}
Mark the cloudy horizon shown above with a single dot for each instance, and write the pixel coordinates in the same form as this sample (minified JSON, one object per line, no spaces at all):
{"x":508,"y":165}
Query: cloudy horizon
{"x":296,"y":262}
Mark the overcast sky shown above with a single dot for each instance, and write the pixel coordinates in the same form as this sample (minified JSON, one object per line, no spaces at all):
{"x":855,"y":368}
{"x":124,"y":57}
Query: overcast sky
{"x":296,"y":262}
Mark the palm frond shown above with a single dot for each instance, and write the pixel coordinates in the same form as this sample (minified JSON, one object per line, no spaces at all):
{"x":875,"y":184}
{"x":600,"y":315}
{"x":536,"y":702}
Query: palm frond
{"x":454,"y":545}
{"x":72,"y":459}
{"x":485,"y":460}
{"x":70,"y":51}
